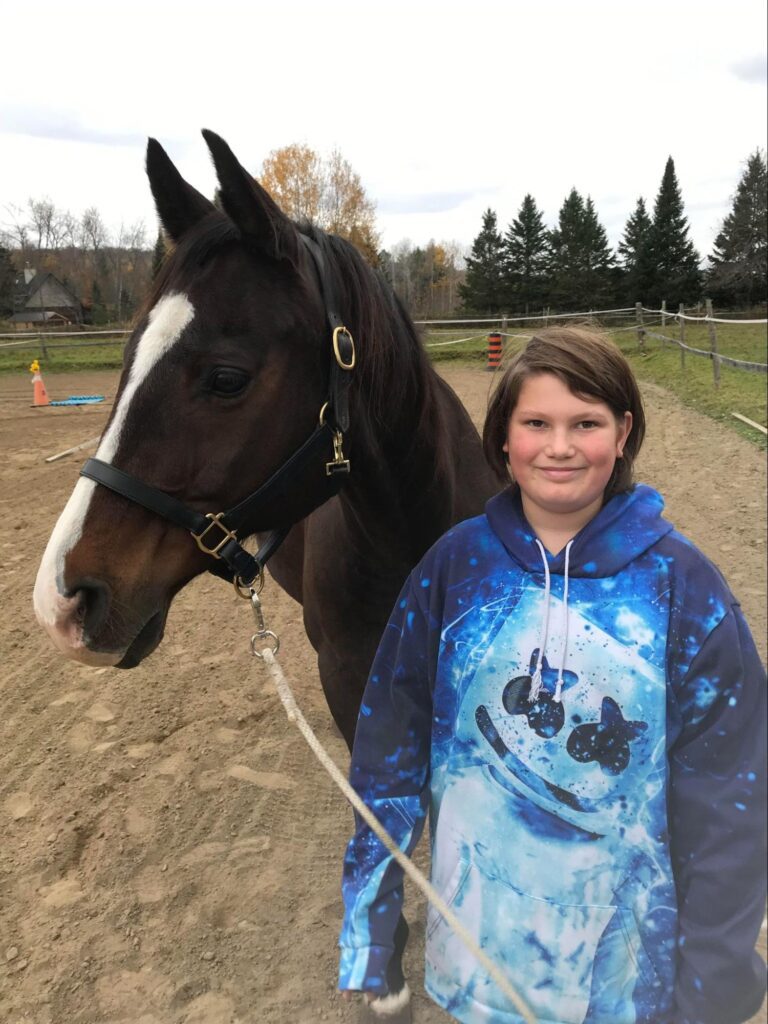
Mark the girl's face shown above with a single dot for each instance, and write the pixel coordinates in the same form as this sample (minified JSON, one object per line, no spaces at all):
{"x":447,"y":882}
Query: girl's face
{"x":562,"y":449}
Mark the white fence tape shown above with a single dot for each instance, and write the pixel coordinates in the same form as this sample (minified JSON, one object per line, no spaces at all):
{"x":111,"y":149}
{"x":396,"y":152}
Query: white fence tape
{"x":699,"y":319}
{"x":525,"y":319}
{"x":458,"y":341}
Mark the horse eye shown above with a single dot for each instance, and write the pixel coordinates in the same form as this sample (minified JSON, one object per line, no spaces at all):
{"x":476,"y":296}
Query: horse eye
{"x":227,"y":382}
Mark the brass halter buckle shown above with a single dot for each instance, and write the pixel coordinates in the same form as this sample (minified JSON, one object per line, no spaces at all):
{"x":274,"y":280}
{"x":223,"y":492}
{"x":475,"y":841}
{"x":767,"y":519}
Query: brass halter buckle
{"x":215,"y":521}
{"x":351,"y":364}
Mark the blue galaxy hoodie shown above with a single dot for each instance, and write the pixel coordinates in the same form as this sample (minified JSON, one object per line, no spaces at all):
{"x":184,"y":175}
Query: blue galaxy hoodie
{"x":587,"y":732}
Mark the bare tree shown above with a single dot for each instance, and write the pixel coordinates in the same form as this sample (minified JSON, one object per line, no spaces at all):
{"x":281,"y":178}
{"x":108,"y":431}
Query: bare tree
{"x":93,"y":233}
{"x":16,"y":227}
{"x":47,"y":222}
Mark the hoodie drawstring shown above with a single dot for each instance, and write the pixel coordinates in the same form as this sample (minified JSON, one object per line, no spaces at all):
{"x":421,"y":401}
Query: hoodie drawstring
{"x":559,"y":687}
{"x":536,"y":678}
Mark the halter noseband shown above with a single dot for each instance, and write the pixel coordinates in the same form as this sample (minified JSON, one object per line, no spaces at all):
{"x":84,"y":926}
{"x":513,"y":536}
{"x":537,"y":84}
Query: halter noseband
{"x":216,"y":533}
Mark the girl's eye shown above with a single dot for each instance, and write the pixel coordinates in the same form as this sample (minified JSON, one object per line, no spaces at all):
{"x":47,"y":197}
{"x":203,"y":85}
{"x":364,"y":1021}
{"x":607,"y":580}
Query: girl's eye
{"x":534,"y":423}
{"x":588,"y":424}
{"x":227,"y":382}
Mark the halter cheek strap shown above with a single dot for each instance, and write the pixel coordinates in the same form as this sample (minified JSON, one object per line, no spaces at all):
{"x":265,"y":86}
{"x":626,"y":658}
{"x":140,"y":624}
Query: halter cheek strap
{"x":216,"y":533}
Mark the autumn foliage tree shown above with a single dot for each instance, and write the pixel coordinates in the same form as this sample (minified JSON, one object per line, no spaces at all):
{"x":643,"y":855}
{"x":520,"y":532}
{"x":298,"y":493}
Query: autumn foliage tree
{"x":326,"y":192}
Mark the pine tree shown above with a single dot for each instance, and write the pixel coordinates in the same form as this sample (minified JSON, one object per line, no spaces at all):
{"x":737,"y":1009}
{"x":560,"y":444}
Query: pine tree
{"x":599,"y":261}
{"x":158,"y":254}
{"x":98,"y":307}
{"x":483,"y":289}
{"x":739,"y":261}
{"x":634,"y":255}
{"x":526,"y":251}
{"x":673,"y":258}
{"x":7,"y":277}
{"x":581,"y":264}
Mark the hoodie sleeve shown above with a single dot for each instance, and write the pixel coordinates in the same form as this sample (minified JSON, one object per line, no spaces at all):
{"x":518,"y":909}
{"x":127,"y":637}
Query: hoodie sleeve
{"x":717,"y":820}
{"x":390,"y":772}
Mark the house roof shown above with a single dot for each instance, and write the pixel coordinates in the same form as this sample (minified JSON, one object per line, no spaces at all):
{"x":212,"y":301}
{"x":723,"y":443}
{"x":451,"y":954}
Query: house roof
{"x":35,"y":317}
{"x":25,"y":290}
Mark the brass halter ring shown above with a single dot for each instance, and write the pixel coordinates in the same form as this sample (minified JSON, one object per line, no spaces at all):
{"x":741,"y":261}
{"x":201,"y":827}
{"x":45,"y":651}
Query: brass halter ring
{"x":246,"y":590}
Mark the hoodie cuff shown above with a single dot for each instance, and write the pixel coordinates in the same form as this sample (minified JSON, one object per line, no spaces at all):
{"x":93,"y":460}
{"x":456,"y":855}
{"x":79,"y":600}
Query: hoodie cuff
{"x":364,"y":969}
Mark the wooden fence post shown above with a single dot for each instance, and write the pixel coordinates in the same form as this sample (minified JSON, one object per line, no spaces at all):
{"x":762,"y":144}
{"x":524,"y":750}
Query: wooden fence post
{"x":713,"y":345}
{"x":640,"y":329}
{"x":681,"y":311}
{"x":663,"y":313}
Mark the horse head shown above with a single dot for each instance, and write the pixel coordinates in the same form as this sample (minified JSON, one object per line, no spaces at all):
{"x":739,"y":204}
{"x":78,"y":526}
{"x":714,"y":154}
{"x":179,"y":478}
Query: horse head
{"x":224,"y":378}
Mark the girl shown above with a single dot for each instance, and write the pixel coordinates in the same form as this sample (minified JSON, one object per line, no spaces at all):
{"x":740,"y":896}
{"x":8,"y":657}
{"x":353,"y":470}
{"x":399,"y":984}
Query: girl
{"x":569,"y":688}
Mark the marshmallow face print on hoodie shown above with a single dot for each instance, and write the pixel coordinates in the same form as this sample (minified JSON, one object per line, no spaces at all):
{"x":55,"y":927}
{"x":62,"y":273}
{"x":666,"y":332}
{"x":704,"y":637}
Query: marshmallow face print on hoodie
{"x":588,"y":757}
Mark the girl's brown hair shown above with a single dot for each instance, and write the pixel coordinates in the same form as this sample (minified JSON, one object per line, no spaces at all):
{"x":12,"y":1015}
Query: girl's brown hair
{"x":590,"y":366}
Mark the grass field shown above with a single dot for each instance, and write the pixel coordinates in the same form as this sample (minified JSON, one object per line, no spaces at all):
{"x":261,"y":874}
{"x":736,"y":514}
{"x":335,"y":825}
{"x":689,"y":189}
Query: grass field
{"x":740,"y":390}
{"x":691,"y":380}
{"x":86,"y":352}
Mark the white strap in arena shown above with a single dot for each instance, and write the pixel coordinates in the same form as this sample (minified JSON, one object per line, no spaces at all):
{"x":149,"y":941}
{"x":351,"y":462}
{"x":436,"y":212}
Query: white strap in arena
{"x":410,"y":869}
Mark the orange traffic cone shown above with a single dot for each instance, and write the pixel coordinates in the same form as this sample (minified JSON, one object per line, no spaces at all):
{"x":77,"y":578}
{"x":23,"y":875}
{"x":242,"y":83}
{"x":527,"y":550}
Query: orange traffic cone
{"x":40,"y":395}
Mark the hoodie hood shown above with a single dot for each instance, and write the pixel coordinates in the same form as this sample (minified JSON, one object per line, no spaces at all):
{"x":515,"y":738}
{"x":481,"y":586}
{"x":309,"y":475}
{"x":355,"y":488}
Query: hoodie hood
{"x":623,"y":529}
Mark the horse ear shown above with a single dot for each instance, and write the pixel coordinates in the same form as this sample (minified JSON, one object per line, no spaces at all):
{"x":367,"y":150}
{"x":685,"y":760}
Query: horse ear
{"x":179,"y":206}
{"x":253,"y":210}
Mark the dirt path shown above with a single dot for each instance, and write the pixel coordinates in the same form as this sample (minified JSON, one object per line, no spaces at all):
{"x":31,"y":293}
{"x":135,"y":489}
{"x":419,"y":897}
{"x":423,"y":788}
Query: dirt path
{"x":171,"y":851}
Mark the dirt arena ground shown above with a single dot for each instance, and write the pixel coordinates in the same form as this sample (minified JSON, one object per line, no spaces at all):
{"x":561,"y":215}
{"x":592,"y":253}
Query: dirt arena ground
{"x":170,"y":849}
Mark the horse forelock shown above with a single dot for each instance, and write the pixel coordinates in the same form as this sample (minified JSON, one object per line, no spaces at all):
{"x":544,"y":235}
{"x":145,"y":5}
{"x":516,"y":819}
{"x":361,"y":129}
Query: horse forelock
{"x":192,"y":252}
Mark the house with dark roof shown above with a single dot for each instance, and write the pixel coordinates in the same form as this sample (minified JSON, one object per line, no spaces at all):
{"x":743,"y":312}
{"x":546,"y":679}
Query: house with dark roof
{"x":42,"y":300}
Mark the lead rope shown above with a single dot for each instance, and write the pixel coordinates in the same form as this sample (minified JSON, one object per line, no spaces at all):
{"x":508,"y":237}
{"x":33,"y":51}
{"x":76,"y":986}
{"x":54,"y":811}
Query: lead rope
{"x":267,"y":655}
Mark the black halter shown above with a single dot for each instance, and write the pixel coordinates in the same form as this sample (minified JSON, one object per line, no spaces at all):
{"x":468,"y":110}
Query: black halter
{"x":216,"y":533}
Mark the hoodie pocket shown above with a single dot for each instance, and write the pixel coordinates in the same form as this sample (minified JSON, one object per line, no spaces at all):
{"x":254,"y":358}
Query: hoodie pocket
{"x":450,"y":892}
{"x":564,"y":960}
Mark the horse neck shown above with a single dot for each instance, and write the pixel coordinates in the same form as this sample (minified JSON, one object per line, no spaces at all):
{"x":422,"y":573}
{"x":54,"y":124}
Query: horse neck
{"x":407,"y":433}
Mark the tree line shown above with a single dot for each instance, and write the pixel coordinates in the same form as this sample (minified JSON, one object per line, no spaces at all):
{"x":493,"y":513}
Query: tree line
{"x":108,"y":272}
{"x":527,"y":268}
{"x":572,"y":266}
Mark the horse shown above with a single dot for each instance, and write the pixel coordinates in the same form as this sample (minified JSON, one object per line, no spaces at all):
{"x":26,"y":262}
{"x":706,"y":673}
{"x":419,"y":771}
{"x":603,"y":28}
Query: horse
{"x":273,"y":373}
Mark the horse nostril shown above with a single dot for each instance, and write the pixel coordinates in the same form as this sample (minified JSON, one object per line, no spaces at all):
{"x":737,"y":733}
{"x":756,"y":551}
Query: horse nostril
{"x":93,"y":598}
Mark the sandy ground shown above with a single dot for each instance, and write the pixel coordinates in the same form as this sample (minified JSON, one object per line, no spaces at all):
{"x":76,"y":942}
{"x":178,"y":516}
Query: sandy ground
{"x":170,"y":849}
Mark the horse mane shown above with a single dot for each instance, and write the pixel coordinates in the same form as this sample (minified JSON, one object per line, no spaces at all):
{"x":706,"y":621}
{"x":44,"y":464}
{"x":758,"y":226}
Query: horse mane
{"x":389,"y":349}
{"x":403,"y":406}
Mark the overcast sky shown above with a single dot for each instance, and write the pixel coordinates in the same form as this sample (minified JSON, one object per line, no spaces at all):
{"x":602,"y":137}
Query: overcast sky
{"x":444,"y":109}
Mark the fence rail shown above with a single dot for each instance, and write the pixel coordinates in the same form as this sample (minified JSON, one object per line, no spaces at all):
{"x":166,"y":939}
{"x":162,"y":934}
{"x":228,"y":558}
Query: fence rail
{"x":741,"y":364}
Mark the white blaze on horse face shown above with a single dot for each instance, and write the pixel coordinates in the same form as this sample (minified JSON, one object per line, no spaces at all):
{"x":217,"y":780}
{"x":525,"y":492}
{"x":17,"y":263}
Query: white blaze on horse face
{"x":167,"y":321}
{"x":56,"y":613}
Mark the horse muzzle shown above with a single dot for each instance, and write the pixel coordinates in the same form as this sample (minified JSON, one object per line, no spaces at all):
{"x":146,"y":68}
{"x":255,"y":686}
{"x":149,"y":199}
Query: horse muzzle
{"x":83,"y":625}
